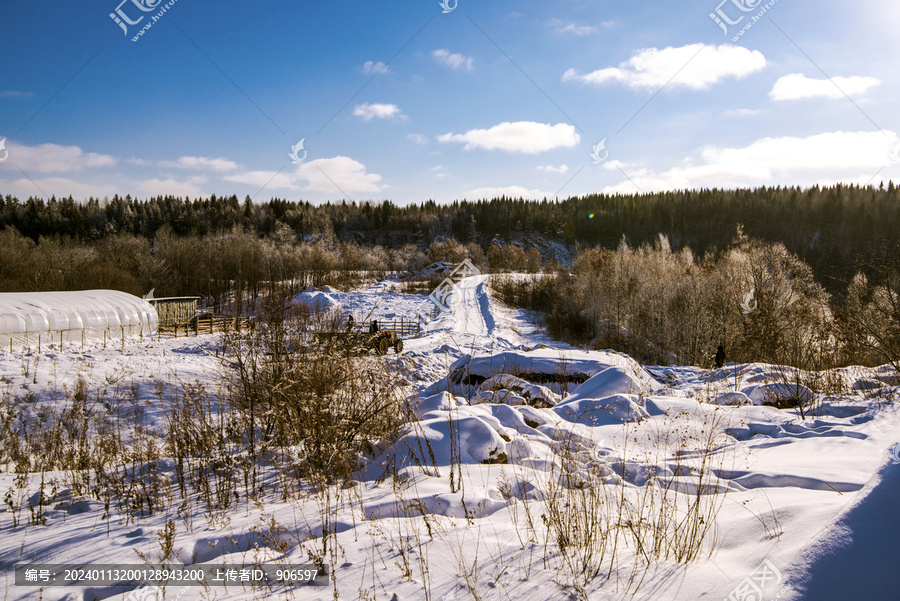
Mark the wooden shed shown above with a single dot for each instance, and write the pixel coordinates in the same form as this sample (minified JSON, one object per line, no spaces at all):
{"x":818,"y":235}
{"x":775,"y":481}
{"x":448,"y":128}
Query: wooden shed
{"x":175,"y":309}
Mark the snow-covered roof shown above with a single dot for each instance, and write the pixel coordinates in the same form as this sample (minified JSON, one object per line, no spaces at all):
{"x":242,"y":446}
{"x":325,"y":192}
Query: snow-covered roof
{"x":27,"y":314}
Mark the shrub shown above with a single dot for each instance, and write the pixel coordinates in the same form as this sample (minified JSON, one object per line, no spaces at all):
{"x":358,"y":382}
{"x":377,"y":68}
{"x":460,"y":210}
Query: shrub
{"x":291,"y":390}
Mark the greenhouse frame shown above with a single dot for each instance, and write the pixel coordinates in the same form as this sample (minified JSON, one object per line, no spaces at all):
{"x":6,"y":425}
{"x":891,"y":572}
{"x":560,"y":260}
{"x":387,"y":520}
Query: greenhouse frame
{"x":29,"y":319}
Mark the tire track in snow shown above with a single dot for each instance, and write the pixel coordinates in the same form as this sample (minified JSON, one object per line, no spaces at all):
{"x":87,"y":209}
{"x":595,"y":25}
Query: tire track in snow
{"x":471,"y":308}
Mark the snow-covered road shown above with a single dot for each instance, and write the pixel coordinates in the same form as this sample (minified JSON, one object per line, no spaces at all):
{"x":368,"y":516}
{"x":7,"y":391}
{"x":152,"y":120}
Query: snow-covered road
{"x":471,"y":307}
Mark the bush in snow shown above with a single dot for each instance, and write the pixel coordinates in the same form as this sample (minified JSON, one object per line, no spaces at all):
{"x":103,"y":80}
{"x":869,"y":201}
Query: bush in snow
{"x":290,"y":391}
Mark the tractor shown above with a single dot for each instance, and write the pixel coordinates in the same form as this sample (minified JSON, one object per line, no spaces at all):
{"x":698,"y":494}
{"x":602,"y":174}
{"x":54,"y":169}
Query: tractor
{"x":382,"y":341}
{"x":379,"y":341}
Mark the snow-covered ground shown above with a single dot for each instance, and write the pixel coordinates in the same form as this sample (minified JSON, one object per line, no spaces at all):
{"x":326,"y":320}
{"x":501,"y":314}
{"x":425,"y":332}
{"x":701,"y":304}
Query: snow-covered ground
{"x":521,"y":447}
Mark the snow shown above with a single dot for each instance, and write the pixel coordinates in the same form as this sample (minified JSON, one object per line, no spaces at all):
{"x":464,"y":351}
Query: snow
{"x":775,"y":393}
{"x":732,"y":398}
{"x":442,"y":401}
{"x":317,"y":301}
{"x":510,"y":390}
{"x":855,"y":557}
{"x":442,"y":511}
{"x":616,"y":408}
{"x":616,"y":379}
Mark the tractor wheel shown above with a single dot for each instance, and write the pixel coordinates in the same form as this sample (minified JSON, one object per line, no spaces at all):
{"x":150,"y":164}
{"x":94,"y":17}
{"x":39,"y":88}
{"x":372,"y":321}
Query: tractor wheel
{"x":398,"y":347}
{"x":382,"y":346}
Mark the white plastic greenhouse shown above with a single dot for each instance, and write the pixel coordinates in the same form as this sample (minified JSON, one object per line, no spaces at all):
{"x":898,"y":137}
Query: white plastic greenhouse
{"x":33,"y":318}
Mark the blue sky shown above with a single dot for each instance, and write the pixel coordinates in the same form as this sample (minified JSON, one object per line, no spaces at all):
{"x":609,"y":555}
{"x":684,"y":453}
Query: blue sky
{"x":407,"y":102}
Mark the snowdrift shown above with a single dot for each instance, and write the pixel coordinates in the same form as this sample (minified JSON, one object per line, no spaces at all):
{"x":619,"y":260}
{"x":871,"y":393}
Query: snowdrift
{"x":612,"y":396}
{"x":614,"y":409}
{"x":316,"y":301}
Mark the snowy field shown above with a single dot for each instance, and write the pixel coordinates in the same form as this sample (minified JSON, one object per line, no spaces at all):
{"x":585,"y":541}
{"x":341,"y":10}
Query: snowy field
{"x":535,"y":471}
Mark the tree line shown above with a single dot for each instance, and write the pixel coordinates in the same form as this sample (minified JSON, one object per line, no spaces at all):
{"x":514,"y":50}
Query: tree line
{"x":836,"y":230}
{"x":757,"y":299}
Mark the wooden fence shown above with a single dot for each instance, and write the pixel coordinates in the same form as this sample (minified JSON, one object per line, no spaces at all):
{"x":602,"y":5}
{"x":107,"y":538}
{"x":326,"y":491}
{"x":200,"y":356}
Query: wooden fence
{"x":403,"y":327}
{"x":206,"y":324}
{"x":210,"y":324}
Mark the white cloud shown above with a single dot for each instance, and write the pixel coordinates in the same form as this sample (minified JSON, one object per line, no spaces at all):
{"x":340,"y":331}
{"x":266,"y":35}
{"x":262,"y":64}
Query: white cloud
{"x":833,"y":156}
{"x":744,"y":112}
{"x":64,"y":187}
{"x":418,"y":139}
{"x":438,"y":171}
{"x":334,"y":175}
{"x":572,"y":28}
{"x":513,"y":191}
{"x":347,"y":174}
{"x":50,"y":158}
{"x":186,"y":162}
{"x":268,"y":179}
{"x":173,"y":187}
{"x":553,"y":169}
{"x":698,"y":66}
{"x":797,"y":86}
{"x":61,"y":187}
{"x":454,"y":61}
{"x":526,"y":137}
{"x":374,"y":68}
{"x":367,"y":111}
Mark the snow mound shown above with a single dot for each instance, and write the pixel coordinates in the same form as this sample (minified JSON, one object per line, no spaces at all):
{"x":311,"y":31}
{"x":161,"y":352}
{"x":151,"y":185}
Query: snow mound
{"x":443,"y":401}
{"x":549,"y":367}
{"x":316,"y":301}
{"x":510,"y":390}
{"x":779,"y":394}
{"x":732,"y":398}
{"x":500,"y":397}
{"x":614,"y":380}
{"x":866,"y":384}
{"x":435,"y":441}
{"x":614,"y":409}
